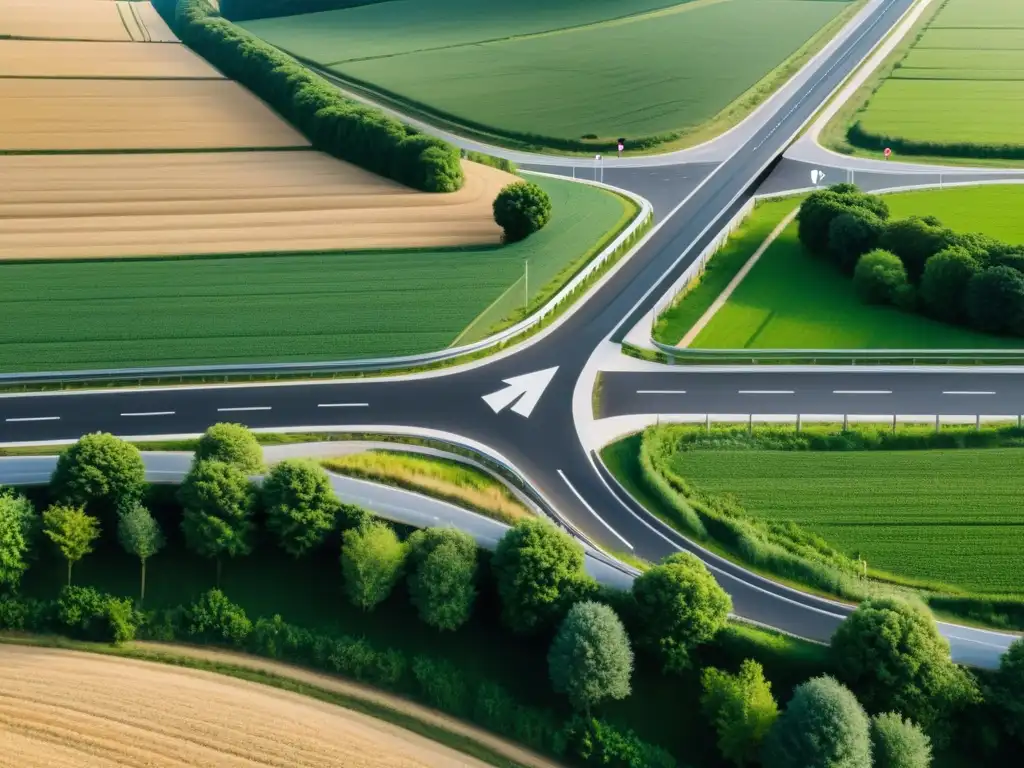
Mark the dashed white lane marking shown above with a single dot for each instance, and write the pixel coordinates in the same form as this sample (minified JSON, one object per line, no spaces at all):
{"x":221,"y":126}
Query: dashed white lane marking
{"x":967,"y":392}
{"x":33,"y":418}
{"x":767,"y":392}
{"x":585,"y":504}
{"x":343,"y":405}
{"x":861,"y":391}
{"x":150,"y":413}
{"x":661,"y":391}
{"x":247,"y":408}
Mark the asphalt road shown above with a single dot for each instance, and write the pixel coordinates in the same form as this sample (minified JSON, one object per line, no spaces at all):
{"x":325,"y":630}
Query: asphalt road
{"x":544,"y":446}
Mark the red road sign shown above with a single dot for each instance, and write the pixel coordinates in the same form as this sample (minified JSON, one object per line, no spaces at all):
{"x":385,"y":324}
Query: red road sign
{"x":888,"y":152}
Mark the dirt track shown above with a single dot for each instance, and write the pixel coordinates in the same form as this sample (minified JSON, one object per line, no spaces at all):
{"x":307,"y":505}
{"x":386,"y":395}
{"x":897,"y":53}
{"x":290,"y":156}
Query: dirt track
{"x":78,"y":710}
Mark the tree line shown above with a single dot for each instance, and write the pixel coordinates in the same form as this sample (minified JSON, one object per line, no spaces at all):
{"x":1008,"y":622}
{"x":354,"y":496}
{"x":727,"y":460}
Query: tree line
{"x":916,"y":264}
{"x":357,"y":133}
{"x":892,"y":691}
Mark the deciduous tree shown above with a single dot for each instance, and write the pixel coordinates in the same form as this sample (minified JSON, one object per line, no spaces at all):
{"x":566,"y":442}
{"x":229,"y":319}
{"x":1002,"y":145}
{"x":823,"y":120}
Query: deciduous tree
{"x":101,"y":473}
{"x":231,"y":444}
{"x":539,"y":571}
{"x":442,"y":576}
{"x":898,"y":743}
{"x":679,"y":606}
{"x":590,"y":660}
{"x":72,"y":530}
{"x":880,"y":277}
{"x":521,"y":209}
{"x":140,"y":535}
{"x":17,"y":528}
{"x":742,"y":709}
{"x":372,"y":559}
{"x":823,"y":727}
{"x":995,"y":300}
{"x":301,"y":506}
{"x":217,"y":501}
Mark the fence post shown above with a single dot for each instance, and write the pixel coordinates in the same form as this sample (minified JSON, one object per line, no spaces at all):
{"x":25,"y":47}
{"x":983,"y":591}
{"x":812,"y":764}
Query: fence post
{"x":977,"y":423}
{"x":894,"y":423}
{"x":1018,"y":421}
{"x":937,"y":423}
{"x":846,"y":422}
{"x":750,"y":425}
{"x":707,"y":423}
{"x":798,"y":424}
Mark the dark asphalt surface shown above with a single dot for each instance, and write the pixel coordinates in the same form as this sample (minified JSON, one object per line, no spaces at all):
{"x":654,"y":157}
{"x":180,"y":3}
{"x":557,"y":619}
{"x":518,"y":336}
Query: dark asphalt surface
{"x":545,"y":446}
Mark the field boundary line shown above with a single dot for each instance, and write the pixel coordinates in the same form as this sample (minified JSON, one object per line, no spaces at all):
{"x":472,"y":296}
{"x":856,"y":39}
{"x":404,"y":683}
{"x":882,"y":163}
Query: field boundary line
{"x":723,"y":297}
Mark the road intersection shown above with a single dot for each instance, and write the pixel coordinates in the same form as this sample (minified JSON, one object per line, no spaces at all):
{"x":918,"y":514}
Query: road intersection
{"x":531,"y":403}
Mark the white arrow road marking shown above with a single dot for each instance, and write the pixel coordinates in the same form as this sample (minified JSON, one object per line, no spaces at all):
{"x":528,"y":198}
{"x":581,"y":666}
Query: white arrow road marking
{"x":527,"y":388}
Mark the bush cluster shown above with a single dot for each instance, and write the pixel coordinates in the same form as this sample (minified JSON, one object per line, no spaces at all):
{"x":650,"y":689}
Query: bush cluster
{"x":916,"y":263}
{"x":521,"y":209}
{"x":354,"y":132}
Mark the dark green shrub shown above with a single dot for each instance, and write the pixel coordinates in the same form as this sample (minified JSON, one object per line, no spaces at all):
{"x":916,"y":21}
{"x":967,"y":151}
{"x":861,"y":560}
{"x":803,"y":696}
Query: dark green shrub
{"x":995,"y":300}
{"x":359,"y":134}
{"x":914,"y":241}
{"x":521,"y":209}
{"x":232,"y":444}
{"x":596,"y":742}
{"x":501,"y":163}
{"x":823,"y":206}
{"x":879,"y":278}
{"x":898,"y":743}
{"x":215,"y":619}
{"x":86,"y":614}
{"x":944,"y":283}
{"x":300,"y":505}
{"x":101,"y":473}
{"x":442,"y":567}
{"x":851,"y":235}
{"x":442,"y":685}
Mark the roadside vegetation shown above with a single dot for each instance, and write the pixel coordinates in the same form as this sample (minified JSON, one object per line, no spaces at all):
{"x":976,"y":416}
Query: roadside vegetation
{"x":810,"y":507}
{"x":444,"y":59}
{"x":521,"y":642}
{"x":800,"y":295}
{"x":965,"y":59}
{"x":441,"y":478}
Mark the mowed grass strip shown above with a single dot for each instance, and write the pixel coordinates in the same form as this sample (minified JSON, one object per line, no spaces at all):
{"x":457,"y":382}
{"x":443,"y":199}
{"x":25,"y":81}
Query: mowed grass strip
{"x":593,"y":80}
{"x":790,"y":300}
{"x":89,"y":314}
{"x":967,"y":531}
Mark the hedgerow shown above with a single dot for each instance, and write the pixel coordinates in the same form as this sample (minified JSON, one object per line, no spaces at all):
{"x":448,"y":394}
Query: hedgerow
{"x":353,"y":132}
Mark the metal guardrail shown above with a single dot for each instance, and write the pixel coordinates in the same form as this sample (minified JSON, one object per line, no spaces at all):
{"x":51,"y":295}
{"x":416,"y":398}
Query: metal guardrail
{"x":689,"y":355}
{"x":623,"y":240}
{"x":799,"y":420}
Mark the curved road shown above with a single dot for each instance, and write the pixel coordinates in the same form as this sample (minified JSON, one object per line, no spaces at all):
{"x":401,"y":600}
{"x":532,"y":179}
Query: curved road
{"x":541,"y":438}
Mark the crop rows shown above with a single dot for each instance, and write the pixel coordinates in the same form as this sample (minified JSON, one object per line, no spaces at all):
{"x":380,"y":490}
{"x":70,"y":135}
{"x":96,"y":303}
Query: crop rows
{"x":968,"y":62}
{"x":887,"y":507}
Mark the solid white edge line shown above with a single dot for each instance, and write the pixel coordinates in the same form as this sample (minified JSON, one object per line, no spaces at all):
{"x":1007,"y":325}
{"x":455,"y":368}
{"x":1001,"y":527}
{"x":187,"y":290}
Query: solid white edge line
{"x":661,"y":391}
{"x":966,"y":392}
{"x":33,"y":418}
{"x":248,"y":408}
{"x":343,"y":405}
{"x":150,"y":413}
{"x":861,"y":391}
{"x":583,"y":501}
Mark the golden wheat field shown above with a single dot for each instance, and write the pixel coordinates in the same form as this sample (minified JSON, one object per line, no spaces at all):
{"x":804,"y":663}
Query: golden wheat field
{"x":75,"y":710}
{"x":46,"y":115}
{"x":60,"y":206}
{"x":67,"y":59}
{"x":62,"y":19}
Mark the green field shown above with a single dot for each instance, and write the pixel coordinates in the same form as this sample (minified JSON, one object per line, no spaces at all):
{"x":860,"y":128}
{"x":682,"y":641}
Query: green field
{"x":958,"y":90}
{"x":967,"y":531}
{"x":559,"y":70}
{"x":64,"y":315}
{"x":791,"y":300}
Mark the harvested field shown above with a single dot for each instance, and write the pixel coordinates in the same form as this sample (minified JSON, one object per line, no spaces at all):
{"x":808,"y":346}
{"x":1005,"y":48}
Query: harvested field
{"x":62,"y":20}
{"x":66,"y":115}
{"x":63,"y":58}
{"x":54,"y":206}
{"x":157,"y":30}
{"x":74,"y":709}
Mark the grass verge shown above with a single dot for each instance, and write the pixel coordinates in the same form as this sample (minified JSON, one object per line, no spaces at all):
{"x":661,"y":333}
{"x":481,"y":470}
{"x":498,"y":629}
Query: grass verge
{"x":813,"y":508}
{"x":444,"y":479}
